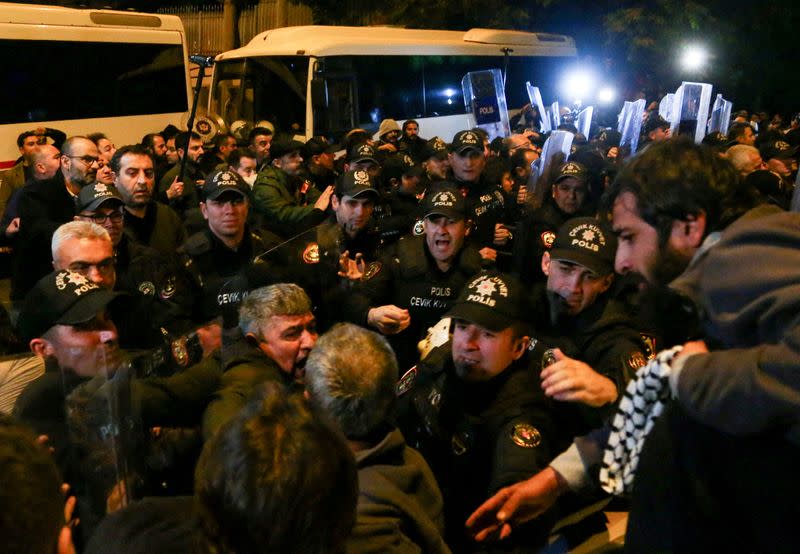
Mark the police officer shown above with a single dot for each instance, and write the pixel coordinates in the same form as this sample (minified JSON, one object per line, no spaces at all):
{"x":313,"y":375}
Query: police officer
{"x":419,"y":279}
{"x":475,"y":409}
{"x":159,"y":292}
{"x":220,"y":258}
{"x":536,"y":233}
{"x":435,"y":161}
{"x":608,"y":347}
{"x":485,"y":201}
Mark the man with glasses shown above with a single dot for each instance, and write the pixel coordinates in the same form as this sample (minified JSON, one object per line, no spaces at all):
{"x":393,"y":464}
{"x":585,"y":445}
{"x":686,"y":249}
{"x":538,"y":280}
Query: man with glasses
{"x":160,"y":295}
{"x":44,"y":206}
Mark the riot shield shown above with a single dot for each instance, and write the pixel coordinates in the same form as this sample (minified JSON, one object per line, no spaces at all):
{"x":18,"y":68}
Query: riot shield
{"x":584,"y":121}
{"x":555,"y":152}
{"x":795,"y":205}
{"x":555,"y":115}
{"x":690,"y":110}
{"x":630,"y":124}
{"x":720,"y":116}
{"x":485,"y":99}
{"x":106,"y":442}
{"x":665,"y":107}
{"x":535,"y":98}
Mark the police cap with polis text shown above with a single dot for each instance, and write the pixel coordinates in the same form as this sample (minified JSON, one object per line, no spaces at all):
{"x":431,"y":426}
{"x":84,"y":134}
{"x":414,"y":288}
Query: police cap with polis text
{"x":492,"y":300}
{"x":465,"y":141}
{"x":445,"y":199}
{"x":356,"y":184}
{"x":585,"y":241}
{"x":779,"y":149}
{"x":61,"y":298}
{"x":93,"y":196}
{"x":363,"y":153}
{"x":572,"y":169}
{"x":222,"y":181}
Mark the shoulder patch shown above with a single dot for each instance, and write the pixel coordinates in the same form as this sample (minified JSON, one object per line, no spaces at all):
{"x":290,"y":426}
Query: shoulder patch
{"x":169,"y":289}
{"x":406,"y":382}
{"x":649,"y":345}
{"x":147,"y":288}
{"x":373,"y":268}
{"x":311,"y":253}
{"x":419,"y":228}
{"x":548,"y":237}
{"x":635,"y":360}
{"x":526,"y":435}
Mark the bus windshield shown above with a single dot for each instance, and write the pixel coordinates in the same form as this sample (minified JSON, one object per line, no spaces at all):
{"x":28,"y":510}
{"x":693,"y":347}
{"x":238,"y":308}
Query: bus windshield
{"x":254,"y":89}
{"x":360,"y":91}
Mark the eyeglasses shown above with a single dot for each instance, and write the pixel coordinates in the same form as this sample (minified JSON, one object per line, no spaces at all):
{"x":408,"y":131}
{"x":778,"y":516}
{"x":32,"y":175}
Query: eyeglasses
{"x":88,"y":160}
{"x":103,"y":267}
{"x":115,"y":217}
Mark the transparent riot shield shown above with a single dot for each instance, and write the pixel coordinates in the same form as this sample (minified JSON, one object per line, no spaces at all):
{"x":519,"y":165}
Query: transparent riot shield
{"x":555,"y":115}
{"x":690,"y":110}
{"x":535,"y":98}
{"x":630,"y":125}
{"x":555,"y":152}
{"x":485,"y":99}
{"x":106,"y":442}
{"x":584,"y":121}
{"x":720,"y":116}
{"x":795,"y":205}
{"x":665,"y":107}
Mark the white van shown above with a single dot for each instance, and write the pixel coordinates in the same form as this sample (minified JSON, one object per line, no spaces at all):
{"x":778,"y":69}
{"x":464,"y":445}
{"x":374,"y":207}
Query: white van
{"x":321,"y":80}
{"x":81,"y":71}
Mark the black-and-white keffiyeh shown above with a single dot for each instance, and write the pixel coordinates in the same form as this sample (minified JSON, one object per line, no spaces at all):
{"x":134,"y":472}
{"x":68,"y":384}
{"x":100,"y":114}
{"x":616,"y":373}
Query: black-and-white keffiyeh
{"x":644,"y":400}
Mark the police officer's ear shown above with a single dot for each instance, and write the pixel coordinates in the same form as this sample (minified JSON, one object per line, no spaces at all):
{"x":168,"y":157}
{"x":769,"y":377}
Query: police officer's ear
{"x":41,"y":347}
{"x":546,"y":263}
{"x":204,"y":210}
{"x":520,"y":346}
{"x":252,"y":339}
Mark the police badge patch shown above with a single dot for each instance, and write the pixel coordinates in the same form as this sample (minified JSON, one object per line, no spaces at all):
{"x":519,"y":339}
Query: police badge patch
{"x":406,"y":382}
{"x":526,"y":435}
{"x":372,"y":270}
{"x":169,"y":289}
{"x":548,"y":237}
{"x":649,"y":345}
{"x":636,"y":360}
{"x":311,"y":253}
{"x":419,"y":228}
{"x":147,"y":288}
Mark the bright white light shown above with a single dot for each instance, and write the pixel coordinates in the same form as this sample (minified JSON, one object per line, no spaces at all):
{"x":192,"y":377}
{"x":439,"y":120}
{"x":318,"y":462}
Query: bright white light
{"x":606,"y":95}
{"x":449,"y":92}
{"x":449,"y":100}
{"x":694,"y":57}
{"x":578,"y":84}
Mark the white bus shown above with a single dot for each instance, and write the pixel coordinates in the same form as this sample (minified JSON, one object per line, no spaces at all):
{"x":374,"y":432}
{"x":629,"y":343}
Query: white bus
{"x":81,"y":71}
{"x":324,"y":80}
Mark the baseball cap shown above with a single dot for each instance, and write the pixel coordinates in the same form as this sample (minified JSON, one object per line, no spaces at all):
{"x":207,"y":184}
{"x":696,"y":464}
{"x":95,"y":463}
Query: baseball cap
{"x":355,"y":183}
{"x":584,"y":241}
{"x":399,"y":165}
{"x":777,"y":149}
{"x":435,"y":147}
{"x":445,"y":200}
{"x":284,"y":145}
{"x":572,"y":169}
{"x":61,"y":298}
{"x":466,"y":140}
{"x":222,"y":181}
{"x":655,"y":122}
{"x":93,"y":196}
{"x":492,"y":300}
{"x":363,"y":153}
{"x":318,"y":145}
{"x":609,"y":137}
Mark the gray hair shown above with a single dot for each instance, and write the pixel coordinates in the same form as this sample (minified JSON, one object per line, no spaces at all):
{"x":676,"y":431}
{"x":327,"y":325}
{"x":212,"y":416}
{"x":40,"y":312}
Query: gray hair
{"x":267,"y":302}
{"x":350,"y":376}
{"x":77,"y":230}
{"x":740,"y":154}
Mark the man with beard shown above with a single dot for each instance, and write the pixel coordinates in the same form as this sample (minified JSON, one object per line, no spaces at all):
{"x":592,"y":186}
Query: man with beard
{"x":288,"y":203}
{"x":667,"y":206}
{"x":149,"y":222}
{"x":181,"y":194}
{"x":419,"y":279}
{"x":411,"y":142}
{"x":474,"y":407}
{"x":44,"y":206}
{"x":278,"y":331}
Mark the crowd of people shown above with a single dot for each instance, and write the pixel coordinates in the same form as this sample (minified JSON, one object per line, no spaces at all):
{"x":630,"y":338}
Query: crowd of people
{"x":398,"y":344}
